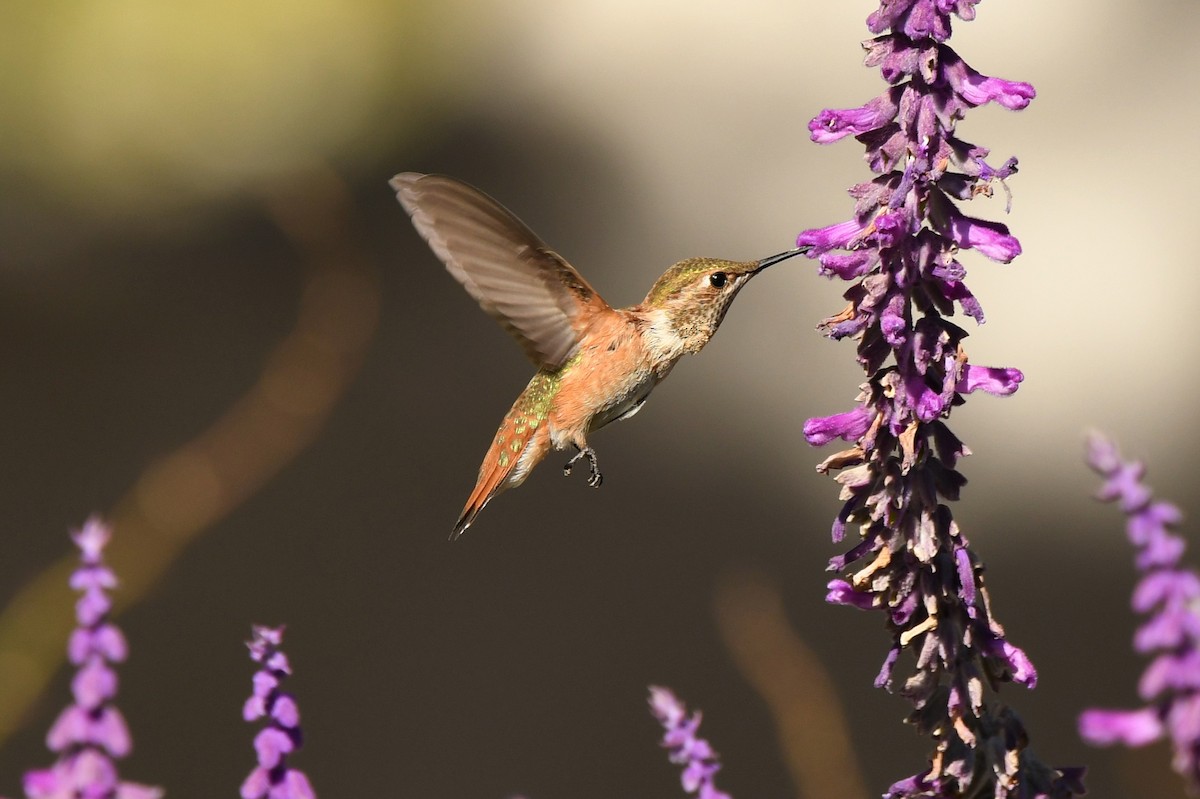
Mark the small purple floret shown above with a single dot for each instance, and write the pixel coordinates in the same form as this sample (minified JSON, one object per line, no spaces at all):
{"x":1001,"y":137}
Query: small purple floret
{"x":976,"y":89}
{"x":831,"y":125}
{"x":1128,"y":727}
{"x":993,"y":380}
{"x":840,"y":236}
{"x":850,"y":426}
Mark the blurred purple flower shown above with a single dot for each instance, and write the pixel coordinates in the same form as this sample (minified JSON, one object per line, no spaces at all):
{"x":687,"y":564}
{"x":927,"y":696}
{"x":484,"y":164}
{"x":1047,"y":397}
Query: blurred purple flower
{"x":90,"y":734}
{"x":698,"y":759}
{"x":272,"y":778}
{"x":900,"y":252}
{"x":1169,"y":595}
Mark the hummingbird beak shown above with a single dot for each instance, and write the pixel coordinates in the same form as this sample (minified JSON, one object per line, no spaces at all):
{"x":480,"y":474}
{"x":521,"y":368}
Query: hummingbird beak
{"x":783,"y":256}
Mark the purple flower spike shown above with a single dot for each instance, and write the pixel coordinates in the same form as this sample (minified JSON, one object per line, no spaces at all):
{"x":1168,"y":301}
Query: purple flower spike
{"x":899,"y":253}
{"x":1170,"y":595}
{"x":91,"y":733}
{"x":273,"y":778}
{"x":698,"y":759}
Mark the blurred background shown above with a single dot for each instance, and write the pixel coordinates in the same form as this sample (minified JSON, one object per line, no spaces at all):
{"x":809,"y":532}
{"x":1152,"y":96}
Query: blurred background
{"x":221,"y":332}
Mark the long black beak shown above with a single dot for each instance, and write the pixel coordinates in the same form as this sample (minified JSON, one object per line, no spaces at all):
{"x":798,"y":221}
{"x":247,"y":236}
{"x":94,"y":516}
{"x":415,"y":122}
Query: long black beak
{"x":783,"y":256}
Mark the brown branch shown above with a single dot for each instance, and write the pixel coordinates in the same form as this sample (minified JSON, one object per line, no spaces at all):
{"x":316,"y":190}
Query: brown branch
{"x":176,"y":499}
{"x":810,"y":726}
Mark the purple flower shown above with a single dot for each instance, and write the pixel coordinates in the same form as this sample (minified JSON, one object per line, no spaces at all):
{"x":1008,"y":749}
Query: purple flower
{"x":1170,"y":596}
{"x":698,"y":759}
{"x":900,"y":254}
{"x":272,"y":778}
{"x":849,"y":425}
{"x":90,"y":734}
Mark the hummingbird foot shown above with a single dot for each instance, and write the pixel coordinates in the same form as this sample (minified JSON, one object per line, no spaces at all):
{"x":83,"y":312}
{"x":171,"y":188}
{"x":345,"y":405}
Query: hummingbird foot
{"x":594,"y":478}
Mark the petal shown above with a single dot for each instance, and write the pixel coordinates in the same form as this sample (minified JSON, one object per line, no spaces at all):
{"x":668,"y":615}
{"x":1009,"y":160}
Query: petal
{"x":1160,"y":549}
{"x":1171,"y":628}
{"x":91,"y":607}
{"x":286,"y":712}
{"x":990,"y":239}
{"x":94,"y":774}
{"x":966,"y":574}
{"x":884,"y":678}
{"x":254,"y":708}
{"x":111,"y":732}
{"x":1183,"y":722}
{"x":1170,"y":672}
{"x":665,"y":706}
{"x":1018,"y":663}
{"x":92,"y":539}
{"x":264,"y":683}
{"x":976,"y":89}
{"x":840,"y":592}
{"x":1124,"y":482}
{"x":833,"y":237}
{"x":833,"y":124}
{"x":1102,"y":454}
{"x":272,"y":744}
{"x":848,"y":266}
{"x":849,"y":426}
{"x":927,"y":21}
{"x":94,"y":684}
{"x":48,"y":783}
{"x":71,"y":727}
{"x":1128,"y":727}
{"x":993,"y":380}
{"x":256,"y":785}
{"x":295,"y":785}
{"x":1168,"y":585}
{"x":109,"y":642}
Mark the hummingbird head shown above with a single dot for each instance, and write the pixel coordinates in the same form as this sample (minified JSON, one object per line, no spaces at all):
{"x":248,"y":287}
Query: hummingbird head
{"x":693,"y":295}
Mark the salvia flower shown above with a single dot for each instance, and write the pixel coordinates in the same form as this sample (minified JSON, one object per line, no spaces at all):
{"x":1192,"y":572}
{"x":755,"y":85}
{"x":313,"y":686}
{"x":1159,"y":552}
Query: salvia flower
{"x":273,"y":778}
{"x":698,"y":759}
{"x":1169,"y":595}
{"x":900,"y":253}
{"x":90,"y":735}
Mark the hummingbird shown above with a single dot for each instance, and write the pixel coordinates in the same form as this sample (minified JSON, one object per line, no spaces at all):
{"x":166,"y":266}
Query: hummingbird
{"x":596,"y":364}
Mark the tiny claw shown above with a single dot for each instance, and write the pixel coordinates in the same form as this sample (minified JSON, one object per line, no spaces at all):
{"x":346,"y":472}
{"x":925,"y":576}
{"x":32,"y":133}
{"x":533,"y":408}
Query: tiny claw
{"x":594,"y":478}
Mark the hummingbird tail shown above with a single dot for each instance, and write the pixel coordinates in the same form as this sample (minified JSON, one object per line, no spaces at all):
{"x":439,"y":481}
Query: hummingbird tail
{"x":464,"y":521}
{"x":507,"y":463}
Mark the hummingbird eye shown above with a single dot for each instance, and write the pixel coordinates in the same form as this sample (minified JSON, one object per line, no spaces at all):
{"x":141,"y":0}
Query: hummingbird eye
{"x":717,"y":279}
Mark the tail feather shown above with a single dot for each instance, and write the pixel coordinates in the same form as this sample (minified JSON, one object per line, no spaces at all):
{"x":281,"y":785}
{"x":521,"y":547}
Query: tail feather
{"x":514,"y":452}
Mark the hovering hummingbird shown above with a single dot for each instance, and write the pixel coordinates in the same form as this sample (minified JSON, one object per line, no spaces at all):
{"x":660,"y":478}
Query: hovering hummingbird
{"x":595,"y":363}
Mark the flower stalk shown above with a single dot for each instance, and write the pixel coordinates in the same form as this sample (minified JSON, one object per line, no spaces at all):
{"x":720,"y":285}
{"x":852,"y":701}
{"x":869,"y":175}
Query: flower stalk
{"x":1168,"y":594}
{"x":900,"y":254}
{"x":272,"y":777}
{"x":699,"y":761}
{"x":90,"y":735}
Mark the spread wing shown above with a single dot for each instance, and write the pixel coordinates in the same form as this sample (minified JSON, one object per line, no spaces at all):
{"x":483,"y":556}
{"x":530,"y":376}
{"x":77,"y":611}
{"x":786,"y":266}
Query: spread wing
{"x":532,"y":292}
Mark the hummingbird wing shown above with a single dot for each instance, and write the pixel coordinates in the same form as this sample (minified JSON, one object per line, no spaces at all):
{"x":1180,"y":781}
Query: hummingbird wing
{"x":530,"y":290}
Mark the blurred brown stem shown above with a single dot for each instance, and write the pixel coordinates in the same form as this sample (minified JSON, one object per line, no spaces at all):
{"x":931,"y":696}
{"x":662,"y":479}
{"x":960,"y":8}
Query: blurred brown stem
{"x":176,"y":499}
{"x":811,"y":729}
